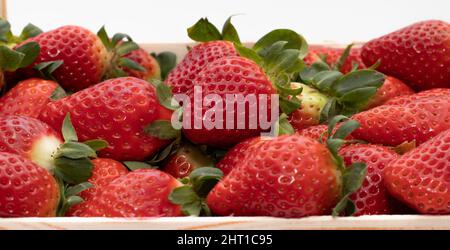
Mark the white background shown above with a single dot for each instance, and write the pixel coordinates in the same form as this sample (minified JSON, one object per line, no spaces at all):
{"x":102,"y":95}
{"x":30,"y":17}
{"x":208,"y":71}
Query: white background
{"x":340,"y":21}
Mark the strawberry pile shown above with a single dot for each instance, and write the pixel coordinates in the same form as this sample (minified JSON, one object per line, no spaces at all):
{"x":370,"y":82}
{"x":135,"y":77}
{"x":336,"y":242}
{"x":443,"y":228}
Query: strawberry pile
{"x":92,"y":125}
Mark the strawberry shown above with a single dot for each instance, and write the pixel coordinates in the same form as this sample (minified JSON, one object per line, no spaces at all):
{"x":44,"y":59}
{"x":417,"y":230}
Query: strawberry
{"x":287,"y":176}
{"x":372,"y":197}
{"x":185,"y":160}
{"x":317,"y":132}
{"x":141,"y":193}
{"x":182,"y":76}
{"x":237,"y":154}
{"x":247,"y":78}
{"x":104,"y":172}
{"x":312,"y":103}
{"x":118,"y":111}
{"x":29,"y":97}
{"x":77,"y":58}
{"x":420,"y":178}
{"x":418,"y":54}
{"x":426,"y":94}
{"x":332,"y":56}
{"x":214,"y":45}
{"x":390,"y":89}
{"x":393,"y":125}
{"x":145,"y":60}
{"x":36,"y":141}
{"x":26,"y":190}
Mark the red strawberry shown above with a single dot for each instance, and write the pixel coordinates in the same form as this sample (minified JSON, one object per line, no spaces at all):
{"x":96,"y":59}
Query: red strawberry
{"x":391,"y":88}
{"x":185,"y":160}
{"x":86,"y":58}
{"x":287,"y":176}
{"x":312,"y":103}
{"x":226,"y":76}
{"x":332,"y":56}
{"x":395,"y":124}
{"x":418,"y":54}
{"x":30,"y":138}
{"x":29,"y":97}
{"x":372,"y":197}
{"x":104,"y":172}
{"x":26,"y":190}
{"x":116,"y":110}
{"x":421,"y":177}
{"x":141,"y":193}
{"x":82,"y":52}
{"x":237,"y":154}
{"x":423,"y":95}
{"x":145,"y":60}
{"x":182,"y":76}
{"x":317,"y":132}
{"x":36,"y":141}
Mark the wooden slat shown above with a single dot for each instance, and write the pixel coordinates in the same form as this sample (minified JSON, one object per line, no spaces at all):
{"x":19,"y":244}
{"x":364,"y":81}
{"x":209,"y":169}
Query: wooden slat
{"x":3,"y":9}
{"x":261,"y":223}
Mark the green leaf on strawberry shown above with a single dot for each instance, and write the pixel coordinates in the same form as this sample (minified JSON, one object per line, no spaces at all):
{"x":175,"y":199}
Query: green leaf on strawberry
{"x":118,"y":47}
{"x":72,"y":159}
{"x":167,"y":61}
{"x":204,"y":31}
{"x":192,"y":195}
{"x":162,"y":129}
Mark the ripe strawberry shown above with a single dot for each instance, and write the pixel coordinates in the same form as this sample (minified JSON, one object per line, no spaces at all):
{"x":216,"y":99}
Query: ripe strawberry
{"x":390,"y":89}
{"x":86,"y":58}
{"x":312,"y":103}
{"x":332,"y":56}
{"x":36,"y":141}
{"x":116,"y":110}
{"x":104,"y":172}
{"x":423,"y":95}
{"x":372,"y":197}
{"x":145,"y":60}
{"x":246,"y":78}
{"x":26,"y":190}
{"x":420,"y":178}
{"x":317,"y":132}
{"x":418,"y":54}
{"x":30,"y":138}
{"x":286,"y":176}
{"x":393,"y":125}
{"x":29,"y":97}
{"x":187,"y":158}
{"x":141,"y":193}
{"x":83,"y":55}
{"x":182,"y":76}
{"x":237,"y":154}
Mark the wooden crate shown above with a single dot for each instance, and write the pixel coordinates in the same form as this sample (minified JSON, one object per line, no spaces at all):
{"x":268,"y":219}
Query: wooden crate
{"x":258,"y":223}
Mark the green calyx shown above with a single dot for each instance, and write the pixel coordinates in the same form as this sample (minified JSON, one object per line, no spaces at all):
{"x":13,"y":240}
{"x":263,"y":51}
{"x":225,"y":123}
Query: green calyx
{"x":204,"y":31}
{"x":348,"y":93}
{"x":192,"y":195}
{"x":158,"y":158}
{"x":118,"y":47}
{"x":8,"y":38}
{"x":23,"y":56}
{"x":280,"y":53}
{"x":72,"y":160}
{"x":167,"y":61}
{"x":69,"y":196}
{"x":353,"y":175}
